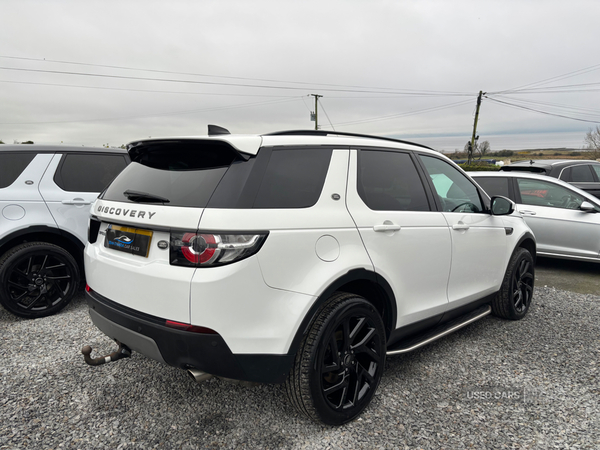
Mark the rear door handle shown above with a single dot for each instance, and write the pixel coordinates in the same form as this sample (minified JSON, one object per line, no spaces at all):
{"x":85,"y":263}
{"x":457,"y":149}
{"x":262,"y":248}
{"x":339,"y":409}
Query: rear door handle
{"x":76,"y":201}
{"x":387,"y":226}
{"x":528,"y":213}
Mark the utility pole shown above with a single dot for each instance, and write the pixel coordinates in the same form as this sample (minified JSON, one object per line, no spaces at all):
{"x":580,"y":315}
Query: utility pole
{"x":473,"y":138}
{"x":316,"y":113}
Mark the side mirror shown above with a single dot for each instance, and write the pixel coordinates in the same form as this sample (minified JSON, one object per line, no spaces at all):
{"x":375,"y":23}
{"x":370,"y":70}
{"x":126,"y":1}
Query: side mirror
{"x":587,"y":207}
{"x":502,"y":206}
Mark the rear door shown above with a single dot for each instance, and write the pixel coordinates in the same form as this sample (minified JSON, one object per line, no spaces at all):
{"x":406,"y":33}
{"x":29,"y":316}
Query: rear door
{"x":407,"y":240}
{"x":21,"y":204}
{"x":71,"y":184}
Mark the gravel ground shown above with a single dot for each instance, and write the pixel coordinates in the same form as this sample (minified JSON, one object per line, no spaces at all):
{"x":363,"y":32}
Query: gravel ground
{"x":494,"y":384}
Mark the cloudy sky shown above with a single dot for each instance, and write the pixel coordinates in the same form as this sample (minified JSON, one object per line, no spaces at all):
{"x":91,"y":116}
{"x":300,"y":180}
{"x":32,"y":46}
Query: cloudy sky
{"x":109,"y":72}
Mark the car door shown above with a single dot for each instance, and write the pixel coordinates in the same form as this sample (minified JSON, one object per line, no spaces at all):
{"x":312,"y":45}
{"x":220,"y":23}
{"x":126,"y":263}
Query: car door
{"x":479,"y":239}
{"x":72,"y":183}
{"x":407,"y":240}
{"x":553,"y":214}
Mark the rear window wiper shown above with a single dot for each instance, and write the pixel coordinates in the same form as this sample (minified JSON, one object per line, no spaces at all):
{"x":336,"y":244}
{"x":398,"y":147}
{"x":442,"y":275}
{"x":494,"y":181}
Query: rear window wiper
{"x":144,"y":197}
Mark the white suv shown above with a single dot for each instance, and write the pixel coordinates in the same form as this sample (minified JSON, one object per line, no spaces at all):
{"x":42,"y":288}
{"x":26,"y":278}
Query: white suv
{"x":45,"y":198}
{"x":302,"y":257}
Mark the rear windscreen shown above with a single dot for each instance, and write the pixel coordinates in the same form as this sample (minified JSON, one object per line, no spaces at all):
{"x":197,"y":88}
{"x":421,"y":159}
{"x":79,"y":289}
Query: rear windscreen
{"x":184,"y":173}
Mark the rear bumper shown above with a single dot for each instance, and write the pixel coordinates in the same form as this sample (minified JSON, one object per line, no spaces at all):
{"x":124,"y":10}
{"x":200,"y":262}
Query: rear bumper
{"x":206,"y":352}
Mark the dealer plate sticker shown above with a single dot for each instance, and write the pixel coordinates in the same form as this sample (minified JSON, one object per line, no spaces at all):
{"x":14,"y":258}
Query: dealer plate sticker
{"x":128,"y":240}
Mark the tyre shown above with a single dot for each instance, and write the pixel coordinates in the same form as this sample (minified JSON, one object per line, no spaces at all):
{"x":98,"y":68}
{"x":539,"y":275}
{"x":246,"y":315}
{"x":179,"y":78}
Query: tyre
{"x":514,"y":298}
{"x":37,"y":279}
{"x":340,"y":361}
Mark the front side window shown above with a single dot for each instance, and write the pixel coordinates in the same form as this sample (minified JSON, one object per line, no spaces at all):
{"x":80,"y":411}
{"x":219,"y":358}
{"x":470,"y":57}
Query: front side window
{"x":542,"y":193}
{"x":388,"y":181}
{"x":455,"y":191}
{"x":597,"y":170}
{"x":12,"y":165}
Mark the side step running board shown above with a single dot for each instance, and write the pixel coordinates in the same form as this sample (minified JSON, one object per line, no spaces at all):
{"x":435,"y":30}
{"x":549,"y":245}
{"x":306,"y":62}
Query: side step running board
{"x":443,"y":330}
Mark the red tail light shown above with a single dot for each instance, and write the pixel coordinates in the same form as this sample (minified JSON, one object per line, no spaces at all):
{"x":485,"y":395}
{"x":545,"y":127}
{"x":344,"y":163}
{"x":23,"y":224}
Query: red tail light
{"x":212,"y":249}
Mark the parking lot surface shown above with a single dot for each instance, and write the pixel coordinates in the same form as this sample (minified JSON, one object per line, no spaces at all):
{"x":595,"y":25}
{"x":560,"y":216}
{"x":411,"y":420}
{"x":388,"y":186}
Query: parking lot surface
{"x":574,"y":276}
{"x":493,"y":384}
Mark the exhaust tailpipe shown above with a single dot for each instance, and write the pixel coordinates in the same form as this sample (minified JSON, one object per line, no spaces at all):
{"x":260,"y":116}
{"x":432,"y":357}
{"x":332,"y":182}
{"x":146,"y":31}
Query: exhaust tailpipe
{"x":199,"y":376}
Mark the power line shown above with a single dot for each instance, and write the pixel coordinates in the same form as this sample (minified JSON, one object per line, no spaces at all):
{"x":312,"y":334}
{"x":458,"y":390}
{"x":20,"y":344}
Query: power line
{"x":541,"y":112}
{"x":405,"y":114}
{"x":173,"y":113}
{"x":551,"y":79}
{"x":145,"y":90}
{"x":214,"y":83}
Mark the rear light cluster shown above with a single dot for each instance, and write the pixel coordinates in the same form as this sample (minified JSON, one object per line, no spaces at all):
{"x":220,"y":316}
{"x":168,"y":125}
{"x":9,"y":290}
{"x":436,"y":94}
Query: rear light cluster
{"x":208,"y":250}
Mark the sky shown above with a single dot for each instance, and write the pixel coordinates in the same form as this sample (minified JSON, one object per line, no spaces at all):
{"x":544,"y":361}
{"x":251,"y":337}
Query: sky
{"x":109,"y":72}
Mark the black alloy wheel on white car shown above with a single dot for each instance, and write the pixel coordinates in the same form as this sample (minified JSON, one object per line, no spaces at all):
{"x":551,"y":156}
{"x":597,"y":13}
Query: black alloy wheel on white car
{"x":340,"y":361}
{"x":514,"y":298}
{"x":37,"y":279}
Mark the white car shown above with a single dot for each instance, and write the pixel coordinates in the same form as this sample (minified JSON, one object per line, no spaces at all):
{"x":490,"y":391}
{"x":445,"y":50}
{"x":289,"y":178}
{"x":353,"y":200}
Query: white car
{"x":45,"y":197}
{"x":300,"y":257}
{"x":564,"y":218}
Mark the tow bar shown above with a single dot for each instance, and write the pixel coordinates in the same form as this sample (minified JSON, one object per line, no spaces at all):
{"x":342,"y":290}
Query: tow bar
{"x":122,"y":352}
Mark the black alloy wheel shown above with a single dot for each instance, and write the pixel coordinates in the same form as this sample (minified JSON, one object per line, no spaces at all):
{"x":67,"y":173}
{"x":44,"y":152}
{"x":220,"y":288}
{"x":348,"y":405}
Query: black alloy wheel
{"x":37,"y":279}
{"x":340,"y":363}
{"x":515,"y":296}
{"x":522,"y":286}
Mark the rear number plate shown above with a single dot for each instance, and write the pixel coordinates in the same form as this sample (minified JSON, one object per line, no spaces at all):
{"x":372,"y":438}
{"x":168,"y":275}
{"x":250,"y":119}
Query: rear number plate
{"x":128,"y":240}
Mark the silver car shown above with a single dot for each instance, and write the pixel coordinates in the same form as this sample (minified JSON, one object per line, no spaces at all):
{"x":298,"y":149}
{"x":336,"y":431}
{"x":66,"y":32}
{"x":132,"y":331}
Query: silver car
{"x":564,"y":219}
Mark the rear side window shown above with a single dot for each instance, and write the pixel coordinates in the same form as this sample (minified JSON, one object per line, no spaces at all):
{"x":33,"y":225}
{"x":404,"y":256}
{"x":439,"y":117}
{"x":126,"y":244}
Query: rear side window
{"x":494,"y":185}
{"x":581,"y":173}
{"x":12,"y":165}
{"x":92,"y":172}
{"x":388,"y":181}
{"x":294,"y":178}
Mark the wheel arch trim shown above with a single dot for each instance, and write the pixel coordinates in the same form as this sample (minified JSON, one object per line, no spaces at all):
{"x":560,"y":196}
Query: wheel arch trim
{"x":32,"y":231}
{"x":354,"y":276}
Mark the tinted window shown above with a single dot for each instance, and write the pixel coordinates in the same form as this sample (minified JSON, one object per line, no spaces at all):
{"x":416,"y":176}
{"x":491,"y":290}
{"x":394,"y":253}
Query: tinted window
{"x":597,"y":170}
{"x":494,"y":185}
{"x":581,"y":173}
{"x":88,"y":172}
{"x":388,"y":181}
{"x":294,"y":178}
{"x":12,"y":165}
{"x":542,"y":193}
{"x":185,"y":173}
{"x":455,"y":191}
{"x":181,"y":188}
